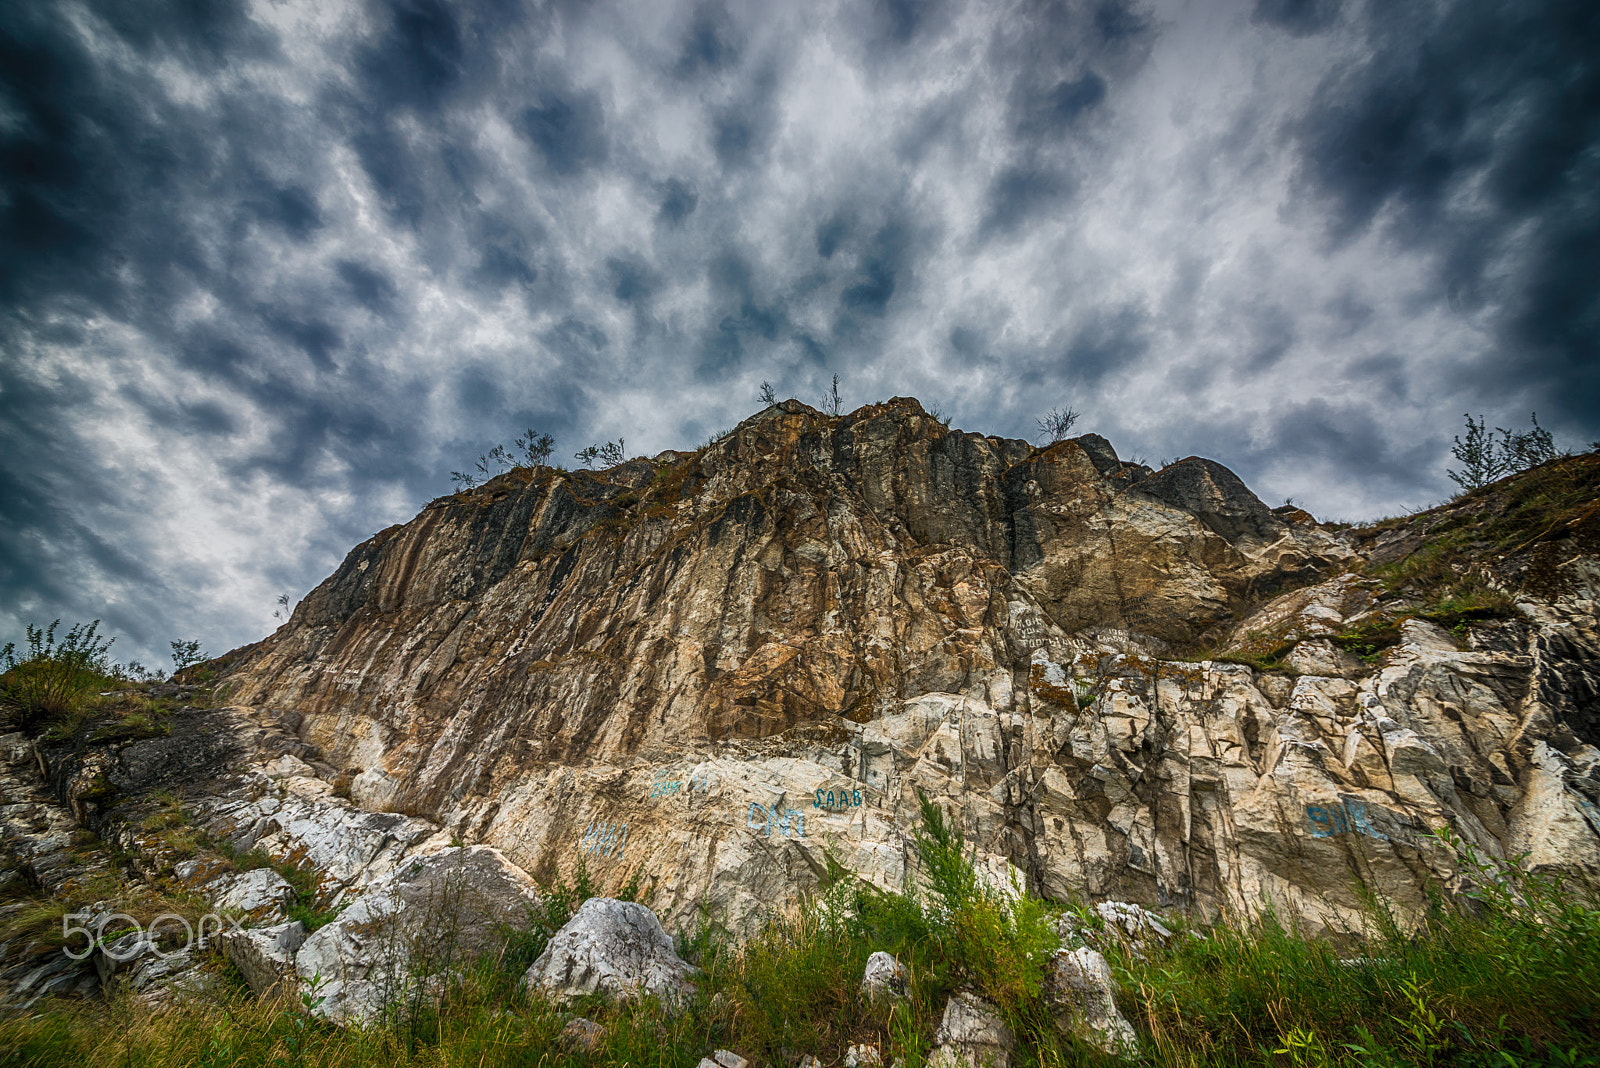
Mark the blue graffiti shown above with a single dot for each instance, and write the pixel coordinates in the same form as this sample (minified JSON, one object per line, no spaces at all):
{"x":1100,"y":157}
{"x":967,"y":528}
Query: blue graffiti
{"x":764,"y":822}
{"x":1344,"y":818}
{"x":841,"y":799}
{"x":604,"y":839}
{"x":665,"y":787}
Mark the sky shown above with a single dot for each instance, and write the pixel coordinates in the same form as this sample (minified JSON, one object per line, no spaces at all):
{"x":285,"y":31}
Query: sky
{"x":270,"y":270}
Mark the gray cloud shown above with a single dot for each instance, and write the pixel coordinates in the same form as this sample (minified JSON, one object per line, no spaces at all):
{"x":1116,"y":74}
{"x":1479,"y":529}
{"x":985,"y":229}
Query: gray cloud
{"x":271,"y":271}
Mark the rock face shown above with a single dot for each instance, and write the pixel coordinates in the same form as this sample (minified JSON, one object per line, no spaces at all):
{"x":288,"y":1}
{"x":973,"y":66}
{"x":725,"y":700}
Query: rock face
{"x":708,"y":667}
{"x":616,"y":948}
{"x":712,"y":671}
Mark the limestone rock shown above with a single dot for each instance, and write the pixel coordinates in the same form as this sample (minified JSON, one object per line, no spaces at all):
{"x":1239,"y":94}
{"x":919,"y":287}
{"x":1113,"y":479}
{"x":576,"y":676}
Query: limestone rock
{"x":581,"y":1035}
{"x":862,"y":1056}
{"x":611,"y":947}
{"x":265,"y":955}
{"x":721,"y":671}
{"x":884,"y":977}
{"x":428,"y":917}
{"x":1121,"y":923}
{"x":261,"y":895}
{"x":1083,"y":992}
{"x":973,"y":1034}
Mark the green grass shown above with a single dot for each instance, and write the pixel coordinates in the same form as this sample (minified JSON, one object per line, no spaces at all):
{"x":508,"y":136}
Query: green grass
{"x":1502,"y":975}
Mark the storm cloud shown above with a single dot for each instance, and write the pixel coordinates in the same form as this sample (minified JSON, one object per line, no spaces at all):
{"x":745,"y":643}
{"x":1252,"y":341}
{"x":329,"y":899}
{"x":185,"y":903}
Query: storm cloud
{"x":270,"y":271}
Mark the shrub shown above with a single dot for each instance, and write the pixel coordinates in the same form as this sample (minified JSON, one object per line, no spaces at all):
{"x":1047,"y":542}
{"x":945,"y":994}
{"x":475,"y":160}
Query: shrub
{"x":1485,"y":459}
{"x":1056,"y":424}
{"x":832,"y":404}
{"x":186,"y":654}
{"x":52,"y":680}
{"x":999,"y":938}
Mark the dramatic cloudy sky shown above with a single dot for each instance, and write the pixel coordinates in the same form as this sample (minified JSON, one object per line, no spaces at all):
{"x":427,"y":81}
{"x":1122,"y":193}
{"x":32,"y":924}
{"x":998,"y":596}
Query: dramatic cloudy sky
{"x":271,"y":269}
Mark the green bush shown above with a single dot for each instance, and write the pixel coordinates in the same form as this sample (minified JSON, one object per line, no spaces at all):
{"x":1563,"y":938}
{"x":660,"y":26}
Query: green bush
{"x":51,"y":682}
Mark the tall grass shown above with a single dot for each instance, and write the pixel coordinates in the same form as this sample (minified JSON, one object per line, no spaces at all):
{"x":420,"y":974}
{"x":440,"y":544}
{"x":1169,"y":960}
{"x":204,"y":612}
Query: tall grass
{"x":1502,"y":974}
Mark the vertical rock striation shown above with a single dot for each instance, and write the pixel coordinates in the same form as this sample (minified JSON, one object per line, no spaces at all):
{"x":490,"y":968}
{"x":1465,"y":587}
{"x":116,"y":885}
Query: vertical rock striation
{"x":714,"y":669}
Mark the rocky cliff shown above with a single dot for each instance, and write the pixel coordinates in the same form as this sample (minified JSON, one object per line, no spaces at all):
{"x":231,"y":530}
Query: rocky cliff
{"x":718,"y":669}
{"x":718,"y":673}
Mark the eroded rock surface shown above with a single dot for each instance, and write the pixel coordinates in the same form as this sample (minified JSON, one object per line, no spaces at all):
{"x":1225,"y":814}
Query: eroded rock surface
{"x":1083,"y":993}
{"x":615,"y":948}
{"x":972,"y":1035}
{"x":707,"y":668}
{"x":431,"y":915}
{"x":712,"y":671}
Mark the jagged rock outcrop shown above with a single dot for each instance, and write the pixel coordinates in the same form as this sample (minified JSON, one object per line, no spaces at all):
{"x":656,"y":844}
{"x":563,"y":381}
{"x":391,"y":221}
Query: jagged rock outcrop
{"x":710,"y":670}
{"x":708,"y":665}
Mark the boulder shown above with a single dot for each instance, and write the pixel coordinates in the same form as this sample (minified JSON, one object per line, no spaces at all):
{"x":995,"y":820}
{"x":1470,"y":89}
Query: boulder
{"x":1082,"y":995}
{"x":428,"y":917}
{"x":581,"y":1036}
{"x":261,"y":895}
{"x":973,"y":1035}
{"x":723,"y":1059}
{"x":616,"y":948}
{"x":884,"y":977}
{"x":862,"y":1056}
{"x":265,"y":955}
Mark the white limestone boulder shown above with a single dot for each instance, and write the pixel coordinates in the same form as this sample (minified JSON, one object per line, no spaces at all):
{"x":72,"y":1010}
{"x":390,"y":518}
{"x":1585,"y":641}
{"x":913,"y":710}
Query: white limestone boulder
{"x":265,"y":955}
{"x":615,"y":948}
{"x":429,"y":917}
{"x":884,"y":977}
{"x":1082,"y":995}
{"x":972,"y":1035}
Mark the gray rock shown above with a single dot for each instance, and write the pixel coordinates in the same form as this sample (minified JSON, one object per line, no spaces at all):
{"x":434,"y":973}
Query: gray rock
{"x":581,"y":1035}
{"x":611,"y":947}
{"x":1082,"y":995}
{"x":728,"y":1059}
{"x":423,"y":920}
{"x":265,"y":955}
{"x":973,"y":1034}
{"x":1215,"y":496}
{"x":884,"y":977}
{"x":862,"y":1056}
{"x":1121,"y":924}
{"x":261,"y":895}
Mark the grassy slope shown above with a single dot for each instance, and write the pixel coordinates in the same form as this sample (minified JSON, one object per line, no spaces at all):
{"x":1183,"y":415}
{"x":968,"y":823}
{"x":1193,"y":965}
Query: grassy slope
{"x":1502,"y":976}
